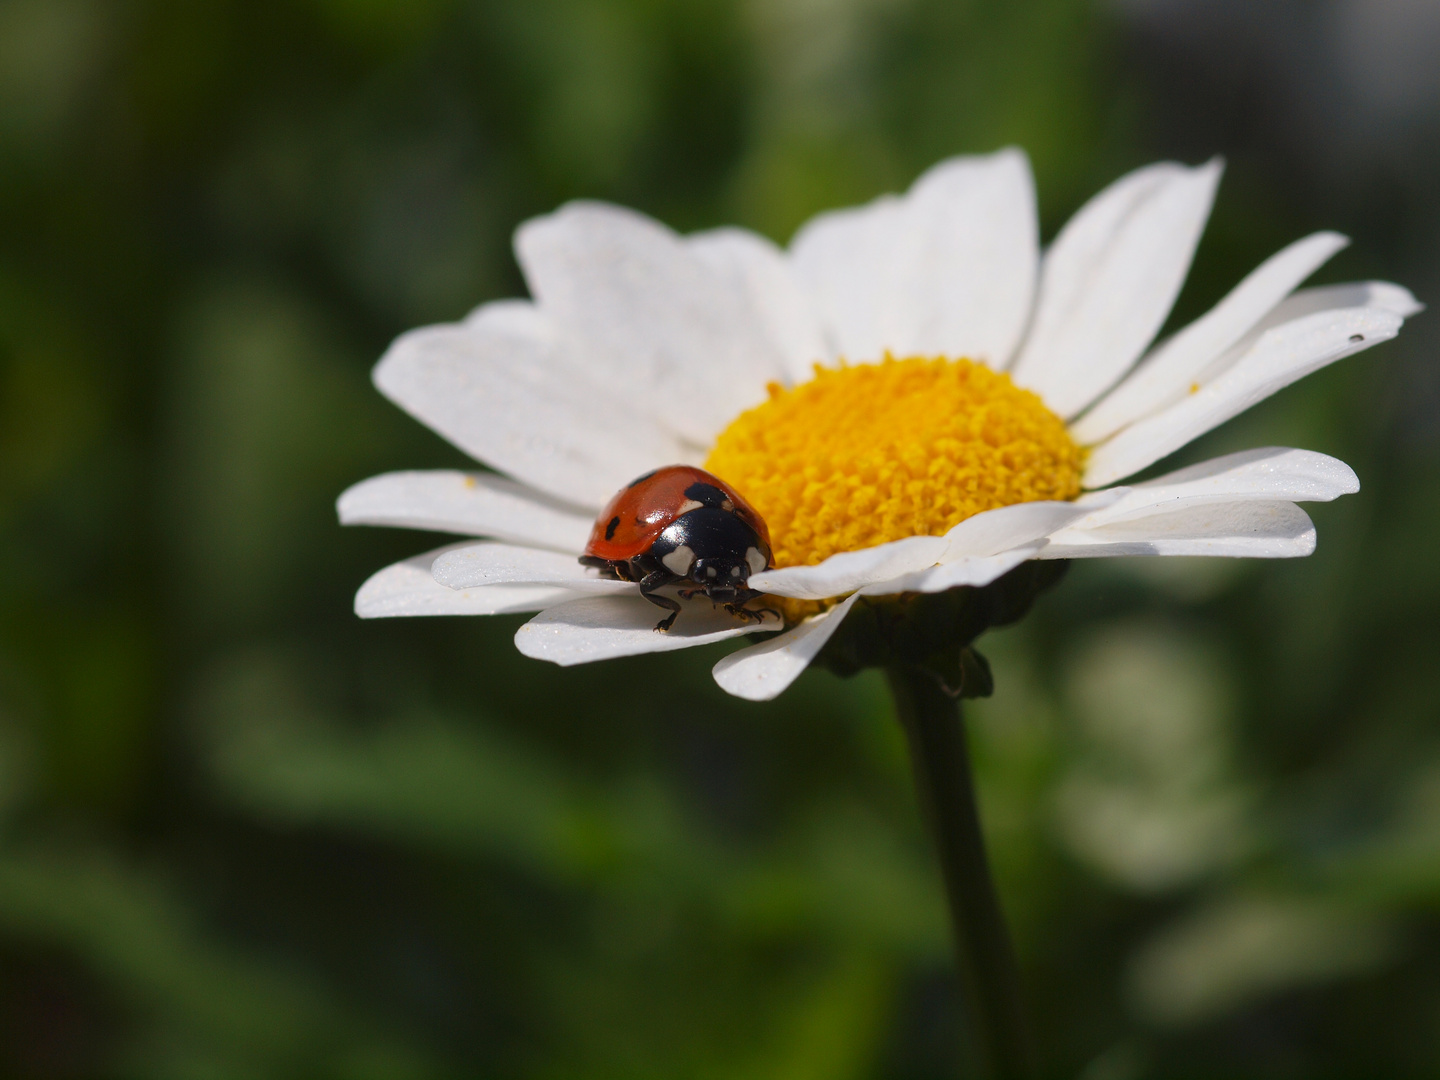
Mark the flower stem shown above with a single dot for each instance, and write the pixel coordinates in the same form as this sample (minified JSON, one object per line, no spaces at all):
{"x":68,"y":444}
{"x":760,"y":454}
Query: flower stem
{"x":983,"y":952}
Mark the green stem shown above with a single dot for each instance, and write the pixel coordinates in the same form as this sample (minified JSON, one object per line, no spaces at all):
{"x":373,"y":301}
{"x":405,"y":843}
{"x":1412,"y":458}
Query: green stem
{"x":986,"y":959}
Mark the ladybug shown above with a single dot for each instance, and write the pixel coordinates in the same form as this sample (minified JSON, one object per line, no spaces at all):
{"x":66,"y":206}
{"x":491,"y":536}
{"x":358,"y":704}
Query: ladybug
{"x":682,"y":525}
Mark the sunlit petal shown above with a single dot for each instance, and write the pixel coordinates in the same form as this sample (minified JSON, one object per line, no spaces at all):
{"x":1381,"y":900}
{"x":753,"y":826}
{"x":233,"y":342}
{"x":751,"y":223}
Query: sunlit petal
{"x":1279,"y":357}
{"x":763,"y":671}
{"x":762,"y":272}
{"x":674,"y":332}
{"x":407,"y":588}
{"x":504,"y":388}
{"x":1109,"y":281}
{"x":947,"y":269}
{"x":849,"y":570}
{"x":1165,"y":376}
{"x":604,"y":627}
{"x":1271,"y":473}
{"x":474,"y":565}
{"x":1250,"y":528}
{"x":472,"y":504}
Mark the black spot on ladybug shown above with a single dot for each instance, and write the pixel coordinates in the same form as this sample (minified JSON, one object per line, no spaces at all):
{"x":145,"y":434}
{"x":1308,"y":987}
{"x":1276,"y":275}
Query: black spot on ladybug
{"x":709,"y":495}
{"x":610,"y":529}
{"x":1355,"y":339}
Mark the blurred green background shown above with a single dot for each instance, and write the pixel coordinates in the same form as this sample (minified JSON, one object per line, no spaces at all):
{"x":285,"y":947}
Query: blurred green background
{"x":243,"y":834}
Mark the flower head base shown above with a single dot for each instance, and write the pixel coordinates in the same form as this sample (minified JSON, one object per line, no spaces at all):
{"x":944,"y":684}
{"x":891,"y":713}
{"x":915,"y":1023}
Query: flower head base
{"x":865,"y":454}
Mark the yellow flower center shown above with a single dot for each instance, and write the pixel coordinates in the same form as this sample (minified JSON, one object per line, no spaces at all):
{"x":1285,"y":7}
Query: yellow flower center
{"x":866,"y":453}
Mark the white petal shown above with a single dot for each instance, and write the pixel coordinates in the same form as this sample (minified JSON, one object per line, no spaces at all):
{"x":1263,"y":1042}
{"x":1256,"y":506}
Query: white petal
{"x":997,"y":531}
{"x":850,"y":570}
{"x":1281,"y":355}
{"x":603,"y":627}
{"x":762,"y":272}
{"x":761,"y":672}
{"x":474,"y":565}
{"x":983,"y":547}
{"x":1270,"y":473}
{"x":472,"y":504}
{"x":1110,"y":279}
{"x":845,"y":262}
{"x":949,"y":269}
{"x":406,"y":588}
{"x":1250,"y":529}
{"x":1333,"y":298}
{"x":664,"y":325}
{"x":1276,"y":470}
{"x":1377,"y":294}
{"x":1166,"y":375}
{"x":503,"y":387}
{"x":991,"y":533}
{"x":965,"y":570}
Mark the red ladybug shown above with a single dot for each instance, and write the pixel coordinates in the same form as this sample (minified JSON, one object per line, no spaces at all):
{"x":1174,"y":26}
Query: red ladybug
{"x":681,"y":524}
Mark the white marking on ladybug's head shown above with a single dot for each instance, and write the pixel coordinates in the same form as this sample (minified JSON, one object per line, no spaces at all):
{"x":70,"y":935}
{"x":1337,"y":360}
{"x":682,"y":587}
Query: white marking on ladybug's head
{"x":687,"y":506}
{"x":727,"y":505}
{"x":709,"y":571}
{"x":756,"y":560}
{"x":734,"y":571}
{"x":679,"y":561}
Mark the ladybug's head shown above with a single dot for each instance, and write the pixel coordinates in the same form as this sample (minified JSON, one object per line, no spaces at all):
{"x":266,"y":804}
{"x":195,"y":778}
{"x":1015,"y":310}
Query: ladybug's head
{"x":724,"y":577}
{"x":715,"y":549}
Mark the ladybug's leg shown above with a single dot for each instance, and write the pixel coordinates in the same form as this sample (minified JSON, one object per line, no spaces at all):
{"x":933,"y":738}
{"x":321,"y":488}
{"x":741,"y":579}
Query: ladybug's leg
{"x":738,"y":608}
{"x":658,"y":579}
{"x":745,"y":613}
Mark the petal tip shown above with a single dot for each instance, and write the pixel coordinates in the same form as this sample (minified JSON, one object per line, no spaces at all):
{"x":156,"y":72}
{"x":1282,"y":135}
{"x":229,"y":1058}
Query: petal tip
{"x":1405,"y":304}
{"x":730,"y":676}
{"x":529,"y":643}
{"x":448,"y":568}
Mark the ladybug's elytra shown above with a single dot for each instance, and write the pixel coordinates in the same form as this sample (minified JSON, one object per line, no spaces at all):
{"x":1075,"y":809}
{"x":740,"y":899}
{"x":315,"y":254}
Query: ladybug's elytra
{"x":680,"y":525}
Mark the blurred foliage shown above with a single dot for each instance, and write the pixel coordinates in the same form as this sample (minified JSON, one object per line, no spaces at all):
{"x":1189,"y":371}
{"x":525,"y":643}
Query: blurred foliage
{"x":244,"y":834}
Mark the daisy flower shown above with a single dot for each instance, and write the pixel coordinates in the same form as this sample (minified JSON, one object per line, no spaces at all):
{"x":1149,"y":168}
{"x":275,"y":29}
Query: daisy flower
{"x":913,"y":396}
